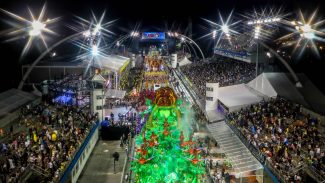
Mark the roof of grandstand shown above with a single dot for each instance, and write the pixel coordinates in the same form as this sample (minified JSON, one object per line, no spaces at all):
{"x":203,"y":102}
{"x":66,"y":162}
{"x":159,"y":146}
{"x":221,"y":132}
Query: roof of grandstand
{"x":308,"y":96}
{"x":12,"y":99}
{"x":114,"y":62}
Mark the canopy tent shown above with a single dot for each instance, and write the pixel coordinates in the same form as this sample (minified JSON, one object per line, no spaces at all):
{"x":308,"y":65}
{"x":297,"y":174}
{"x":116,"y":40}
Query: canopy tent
{"x":112,"y":93}
{"x":184,"y":61}
{"x":12,"y":99}
{"x":98,"y":78}
{"x":112,"y":62}
{"x":280,"y":84}
{"x":236,"y":97}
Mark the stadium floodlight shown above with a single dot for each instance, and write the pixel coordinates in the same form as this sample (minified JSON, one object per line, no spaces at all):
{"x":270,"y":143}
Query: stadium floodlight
{"x":94,"y":50}
{"x":37,"y":28}
{"x":97,"y":29}
{"x":257,"y":31}
{"x":86,"y":33}
{"x":34,"y":27}
{"x":214,"y":34}
{"x":265,"y":20}
{"x":225,"y":29}
{"x":135,"y":34}
{"x":309,"y":31}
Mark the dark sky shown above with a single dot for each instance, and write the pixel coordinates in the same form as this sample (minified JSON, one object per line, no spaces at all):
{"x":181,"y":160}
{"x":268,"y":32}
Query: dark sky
{"x":151,"y":14}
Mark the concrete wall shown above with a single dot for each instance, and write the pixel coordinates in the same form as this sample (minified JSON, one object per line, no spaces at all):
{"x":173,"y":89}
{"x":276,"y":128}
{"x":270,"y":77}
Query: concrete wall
{"x":76,"y":171}
{"x":97,"y":102}
{"x":77,"y":164}
{"x":212,"y":104}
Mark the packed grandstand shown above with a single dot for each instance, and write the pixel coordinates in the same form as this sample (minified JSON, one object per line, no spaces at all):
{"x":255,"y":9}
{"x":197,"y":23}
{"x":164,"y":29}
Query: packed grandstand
{"x":167,"y":114}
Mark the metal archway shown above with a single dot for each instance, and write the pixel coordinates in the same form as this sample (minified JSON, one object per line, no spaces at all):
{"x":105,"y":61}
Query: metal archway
{"x":191,"y":41}
{"x":190,"y":45}
{"x":295,"y":77}
{"x":22,"y":82}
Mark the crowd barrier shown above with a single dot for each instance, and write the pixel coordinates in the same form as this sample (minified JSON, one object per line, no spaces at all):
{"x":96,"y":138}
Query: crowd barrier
{"x":77,"y":164}
{"x":314,"y":173}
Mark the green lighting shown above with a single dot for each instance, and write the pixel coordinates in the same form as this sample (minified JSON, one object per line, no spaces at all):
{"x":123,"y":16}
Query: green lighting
{"x":162,"y":153}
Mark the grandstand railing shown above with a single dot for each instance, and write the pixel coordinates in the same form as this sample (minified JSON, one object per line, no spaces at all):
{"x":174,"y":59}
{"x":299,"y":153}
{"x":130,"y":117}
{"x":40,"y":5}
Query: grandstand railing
{"x":196,"y":97}
{"x":312,"y":171}
{"x":180,"y":74}
{"x":274,"y":171}
{"x":256,"y":153}
{"x":65,"y":175}
{"x":29,"y":170}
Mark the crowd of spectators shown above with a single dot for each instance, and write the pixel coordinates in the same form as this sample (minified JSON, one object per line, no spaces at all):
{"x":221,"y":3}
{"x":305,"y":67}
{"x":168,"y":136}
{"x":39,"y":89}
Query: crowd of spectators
{"x":53,"y":135}
{"x":236,"y":45}
{"x":223,"y":71}
{"x":288,"y":138}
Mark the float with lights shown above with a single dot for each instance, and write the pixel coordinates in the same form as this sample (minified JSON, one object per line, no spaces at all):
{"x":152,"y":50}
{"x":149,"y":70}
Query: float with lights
{"x":164,"y":153}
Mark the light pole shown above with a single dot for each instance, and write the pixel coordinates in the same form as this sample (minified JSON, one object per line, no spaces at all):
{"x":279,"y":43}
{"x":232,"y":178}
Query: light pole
{"x":256,"y":36}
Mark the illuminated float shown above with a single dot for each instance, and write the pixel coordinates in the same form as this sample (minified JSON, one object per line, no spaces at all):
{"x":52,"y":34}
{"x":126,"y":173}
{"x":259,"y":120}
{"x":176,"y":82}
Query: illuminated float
{"x":164,"y":152}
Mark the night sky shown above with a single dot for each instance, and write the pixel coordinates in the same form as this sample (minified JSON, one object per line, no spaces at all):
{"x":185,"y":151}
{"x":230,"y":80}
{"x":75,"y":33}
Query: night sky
{"x":152,"y":15}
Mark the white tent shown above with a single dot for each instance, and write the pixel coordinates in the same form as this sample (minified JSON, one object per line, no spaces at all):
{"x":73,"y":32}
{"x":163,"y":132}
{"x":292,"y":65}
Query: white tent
{"x":113,"y":62}
{"x":279,"y":84}
{"x":112,"y":93}
{"x":184,"y":61}
{"x":236,"y":97}
{"x":263,"y":85}
{"x":98,"y":78}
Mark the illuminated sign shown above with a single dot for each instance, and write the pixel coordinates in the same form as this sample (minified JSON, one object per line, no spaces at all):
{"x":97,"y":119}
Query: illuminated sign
{"x":153,"y":35}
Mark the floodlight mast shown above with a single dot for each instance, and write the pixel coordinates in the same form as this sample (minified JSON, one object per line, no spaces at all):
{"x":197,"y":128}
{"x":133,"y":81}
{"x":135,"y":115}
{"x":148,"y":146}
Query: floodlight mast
{"x":257,"y":31}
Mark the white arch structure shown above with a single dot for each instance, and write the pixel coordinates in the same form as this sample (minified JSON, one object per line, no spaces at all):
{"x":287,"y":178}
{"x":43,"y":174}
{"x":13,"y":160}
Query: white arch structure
{"x":22,"y":82}
{"x":191,"y":41}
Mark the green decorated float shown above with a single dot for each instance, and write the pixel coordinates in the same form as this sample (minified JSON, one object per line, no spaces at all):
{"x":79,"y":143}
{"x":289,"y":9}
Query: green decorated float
{"x":165,"y":151}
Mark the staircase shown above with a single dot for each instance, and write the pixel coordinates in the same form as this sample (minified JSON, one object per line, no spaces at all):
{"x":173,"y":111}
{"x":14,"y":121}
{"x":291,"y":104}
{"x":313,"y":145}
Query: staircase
{"x":241,"y":158}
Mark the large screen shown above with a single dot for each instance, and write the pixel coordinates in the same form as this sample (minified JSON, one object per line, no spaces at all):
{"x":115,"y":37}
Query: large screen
{"x":153,"y":35}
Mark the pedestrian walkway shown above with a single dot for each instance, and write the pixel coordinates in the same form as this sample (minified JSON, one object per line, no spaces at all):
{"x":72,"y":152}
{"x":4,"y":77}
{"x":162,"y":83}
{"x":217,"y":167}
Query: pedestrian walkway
{"x":100,"y":165}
